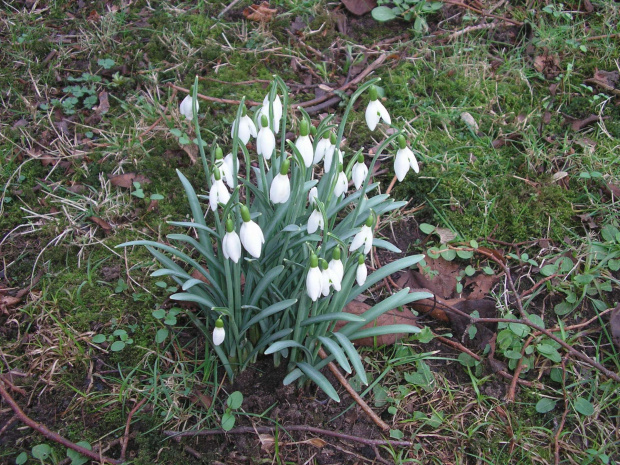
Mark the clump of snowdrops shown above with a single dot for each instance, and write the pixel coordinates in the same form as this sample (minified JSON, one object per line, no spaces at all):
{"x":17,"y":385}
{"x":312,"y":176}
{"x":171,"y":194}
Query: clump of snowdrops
{"x":281,"y":241}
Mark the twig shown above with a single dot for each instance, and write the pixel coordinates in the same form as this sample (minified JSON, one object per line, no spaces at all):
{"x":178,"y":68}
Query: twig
{"x":510,"y":395}
{"x":336,"y":372}
{"x":150,"y":128}
{"x":306,"y":46}
{"x":606,"y":36}
{"x":214,"y":99}
{"x":477,"y":27}
{"x":538,"y":284}
{"x":230,"y":5}
{"x":483,"y":13}
{"x":556,"y":438}
{"x":50,"y":434}
{"x":305,"y":428}
{"x":125,"y":441}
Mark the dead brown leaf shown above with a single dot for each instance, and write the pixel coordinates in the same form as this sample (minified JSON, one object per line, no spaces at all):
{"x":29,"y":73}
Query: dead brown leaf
{"x":103,"y":224}
{"x":104,"y":104}
{"x":614,"y":190}
{"x":261,"y":13}
{"x":359,"y":7}
{"x":549,"y":65}
{"x":579,"y":124}
{"x":192,"y":152}
{"x":614,"y":325}
{"x":126,"y":180}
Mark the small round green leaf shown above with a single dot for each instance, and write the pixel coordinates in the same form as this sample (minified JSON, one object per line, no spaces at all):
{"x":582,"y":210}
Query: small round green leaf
{"x":41,"y":451}
{"x":383,"y":13}
{"x":228,"y":421}
{"x":117,"y":346}
{"x":427,"y":228}
{"x":545,"y":405}
{"x":21,"y":458}
{"x":583,"y":406}
{"x":161,"y":335}
{"x":99,"y":338}
{"x":235,"y":400}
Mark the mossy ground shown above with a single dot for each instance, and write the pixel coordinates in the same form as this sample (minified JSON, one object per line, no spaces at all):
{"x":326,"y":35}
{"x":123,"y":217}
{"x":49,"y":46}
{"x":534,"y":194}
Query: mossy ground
{"x":500,"y":181}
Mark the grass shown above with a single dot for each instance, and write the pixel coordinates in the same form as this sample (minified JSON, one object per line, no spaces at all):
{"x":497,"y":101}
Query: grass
{"x":524,"y":176}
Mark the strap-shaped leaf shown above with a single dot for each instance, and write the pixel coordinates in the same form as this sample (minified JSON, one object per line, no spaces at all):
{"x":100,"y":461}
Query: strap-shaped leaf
{"x":189,"y":224}
{"x":338,"y":316}
{"x":402,"y":297}
{"x":191,"y":283}
{"x":382,"y":330}
{"x":292,"y":376}
{"x":337,"y":352}
{"x":204,"y":250}
{"x":385,"y":245}
{"x":353,"y":355}
{"x":280,"y":345}
{"x":187,"y":297}
{"x":320,"y":380}
{"x":265,"y":281}
{"x":194,"y":205}
{"x":385,"y":271}
{"x":275,"y":308}
{"x":167,"y":272}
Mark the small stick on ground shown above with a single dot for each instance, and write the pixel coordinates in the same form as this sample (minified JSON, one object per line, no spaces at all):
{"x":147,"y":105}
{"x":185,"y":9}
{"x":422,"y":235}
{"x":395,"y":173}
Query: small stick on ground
{"x":336,"y":372}
{"x":556,"y":438}
{"x":50,"y":434}
{"x":510,"y":395}
{"x":304,"y":428}
{"x":127,"y":426}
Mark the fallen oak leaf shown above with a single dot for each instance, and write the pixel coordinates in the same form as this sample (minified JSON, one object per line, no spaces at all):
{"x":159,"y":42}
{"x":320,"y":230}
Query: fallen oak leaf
{"x":103,"y":224}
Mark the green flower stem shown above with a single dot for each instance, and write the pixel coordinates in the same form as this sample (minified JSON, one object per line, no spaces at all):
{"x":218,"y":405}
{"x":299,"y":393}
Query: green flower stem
{"x":303,"y":310}
{"x":203,"y":157}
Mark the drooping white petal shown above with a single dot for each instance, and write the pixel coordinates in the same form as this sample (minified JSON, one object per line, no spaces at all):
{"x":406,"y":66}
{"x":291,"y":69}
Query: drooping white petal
{"x":326,"y":281}
{"x":218,"y":194}
{"x":265,"y":143}
{"x":361,"y":274}
{"x":312,"y":196}
{"x":337,"y":269}
{"x":413,"y":161}
{"x":364,"y":237}
{"x":321,"y":149}
{"x":228,"y":172}
{"x":315,"y":222}
{"x":186,"y":107}
{"x":219,"y":334}
{"x":277,"y":111}
{"x":359,"y":173}
{"x":401,"y":164}
{"x":280,"y":189}
{"x":304,"y":145}
{"x":252,"y":238}
{"x":341,"y":184}
{"x":231,"y":246}
{"x":329,"y":156}
{"x":374,"y":112}
{"x":314,"y":283}
{"x":247,"y":128}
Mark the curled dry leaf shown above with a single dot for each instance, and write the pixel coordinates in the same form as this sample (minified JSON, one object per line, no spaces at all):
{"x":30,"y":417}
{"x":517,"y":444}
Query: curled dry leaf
{"x":359,"y":7}
{"x":104,"y":104}
{"x":267,"y":441}
{"x":126,"y":180}
{"x":614,"y":325}
{"x":549,"y":65}
{"x":445,"y":234}
{"x":469,"y":121}
{"x":103,"y":224}
{"x":261,"y":13}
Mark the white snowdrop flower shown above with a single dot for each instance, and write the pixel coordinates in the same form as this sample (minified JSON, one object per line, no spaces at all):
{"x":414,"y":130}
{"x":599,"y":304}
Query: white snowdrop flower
{"x":251,"y":234}
{"x":225,"y":165}
{"x":337,"y":269}
{"x":362,"y":272}
{"x":314,"y":281}
{"x":186,"y":107}
{"x":359,"y":172}
{"x":265,"y":141}
{"x":247,"y":127}
{"x":218,"y":193}
{"x":277,"y":111}
{"x":321,"y":148}
{"x":404,"y":160}
{"x":342,"y":183}
{"x":231,"y":244}
{"x":326,"y":278}
{"x":219,"y":333}
{"x":329,"y":156}
{"x":364,"y":237}
{"x":304,"y":144}
{"x":315,"y":222}
{"x":281,"y":186}
{"x":375,"y":110}
{"x":312,"y":196}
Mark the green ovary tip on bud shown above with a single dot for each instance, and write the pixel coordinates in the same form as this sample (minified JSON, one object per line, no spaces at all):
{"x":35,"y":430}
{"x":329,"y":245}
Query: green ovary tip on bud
{"x":336,"y":253}
{"x":245,"y":214}
{"x":219,"y":323}
{"x":332,"y":138}
{"x":372,"y":93}
{"x":304,"y":128}
{"x":244,"y":111}
{"x":360,"y":259}
{"x":313,"y":131}
{"x":324,"y":264}
{"x":264,"y":121}
{"x":216,"y":173}
{"x":230,"y":227}
{"x":314,"y":261}
{"x":369,"y":220}
{"x":218,"y":153}
{"x":285,"y":167}
{"x":402,"y":143}
{"x":360,"y":158}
